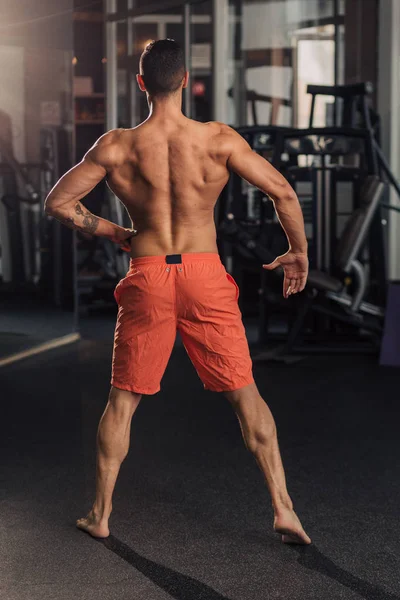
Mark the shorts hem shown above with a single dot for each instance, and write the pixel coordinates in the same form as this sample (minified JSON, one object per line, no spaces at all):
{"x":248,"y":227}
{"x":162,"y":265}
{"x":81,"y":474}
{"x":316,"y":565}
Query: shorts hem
{"x":134,"y":389}
{"x":231,"y":388}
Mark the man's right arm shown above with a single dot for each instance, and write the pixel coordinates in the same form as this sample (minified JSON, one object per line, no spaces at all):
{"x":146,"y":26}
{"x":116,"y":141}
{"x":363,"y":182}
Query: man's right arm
{"x":259,"y":172}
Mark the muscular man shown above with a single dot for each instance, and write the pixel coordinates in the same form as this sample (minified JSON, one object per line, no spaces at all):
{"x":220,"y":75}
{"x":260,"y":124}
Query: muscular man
{"x":169,"y":172}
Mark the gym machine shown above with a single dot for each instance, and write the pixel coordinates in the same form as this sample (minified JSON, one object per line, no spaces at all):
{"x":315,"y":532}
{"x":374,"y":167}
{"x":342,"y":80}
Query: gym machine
{"x":37,"y":259}
{"x":340,"y":297}
{"x":329,"y":168}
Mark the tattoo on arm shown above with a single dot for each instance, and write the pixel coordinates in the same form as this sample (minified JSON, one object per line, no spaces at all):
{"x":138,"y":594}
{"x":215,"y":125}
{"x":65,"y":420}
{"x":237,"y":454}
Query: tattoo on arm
{"x":68,"y":221}
{"x":90,"y":221}
{"x":85,"y":221}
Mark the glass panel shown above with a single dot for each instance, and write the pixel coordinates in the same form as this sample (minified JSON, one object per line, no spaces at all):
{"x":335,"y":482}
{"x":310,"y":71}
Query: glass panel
{"x":315,"y":65}
{"x":37,"y":270}
{"x":123,"y":113}
{"x":273,"y":83}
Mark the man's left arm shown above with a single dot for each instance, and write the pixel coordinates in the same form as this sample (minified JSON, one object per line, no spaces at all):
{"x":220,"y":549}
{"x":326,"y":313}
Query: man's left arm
{"x":64,"y":200}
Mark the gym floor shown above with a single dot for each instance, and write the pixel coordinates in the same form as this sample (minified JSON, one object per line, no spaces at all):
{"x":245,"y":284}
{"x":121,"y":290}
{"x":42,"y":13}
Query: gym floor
{"x":192,"y":517}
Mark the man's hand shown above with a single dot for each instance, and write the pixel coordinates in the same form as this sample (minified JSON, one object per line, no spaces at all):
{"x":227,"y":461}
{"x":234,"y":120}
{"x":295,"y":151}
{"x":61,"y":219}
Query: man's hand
{"x":295,"y":267}
{"x":123,"y":237}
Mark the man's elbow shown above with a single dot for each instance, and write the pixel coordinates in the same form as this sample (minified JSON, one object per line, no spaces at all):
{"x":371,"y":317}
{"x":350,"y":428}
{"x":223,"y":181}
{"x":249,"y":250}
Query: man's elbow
{"x":286,"y":194}
{"x":49,"y":206}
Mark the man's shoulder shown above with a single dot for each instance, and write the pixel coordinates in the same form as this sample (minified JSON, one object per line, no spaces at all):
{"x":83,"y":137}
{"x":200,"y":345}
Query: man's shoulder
{"x":109,"y":137}
{"x":118,"y":137}
{"x":223,"y":137}
{"x":107,"y":150}
{"x":219,"y":128}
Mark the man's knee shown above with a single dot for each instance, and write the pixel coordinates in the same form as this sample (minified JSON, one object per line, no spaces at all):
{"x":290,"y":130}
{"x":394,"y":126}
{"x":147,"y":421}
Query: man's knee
{"x":257,"y":423}
{"x":242,"y":394}
{"x":246,"y":399}
{"x":123,"y":400}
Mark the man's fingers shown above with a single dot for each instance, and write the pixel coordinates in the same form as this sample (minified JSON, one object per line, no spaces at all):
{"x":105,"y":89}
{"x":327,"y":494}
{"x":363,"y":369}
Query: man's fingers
{"x":286,"y":287}
{"x":291,"y":286}
{"x":272,"y":265}
{"x":303,"y":283}
{"x":295,"y":285}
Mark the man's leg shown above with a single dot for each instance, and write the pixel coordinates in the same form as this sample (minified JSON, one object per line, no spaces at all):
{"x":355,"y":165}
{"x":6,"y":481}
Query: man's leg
{"x":259,"y":434}
{"x":113,"y":437}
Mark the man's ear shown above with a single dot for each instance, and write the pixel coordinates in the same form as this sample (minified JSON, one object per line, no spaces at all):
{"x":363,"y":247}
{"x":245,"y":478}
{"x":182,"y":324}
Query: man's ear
{"x":140,"y":81}
{"x":186,"y":80}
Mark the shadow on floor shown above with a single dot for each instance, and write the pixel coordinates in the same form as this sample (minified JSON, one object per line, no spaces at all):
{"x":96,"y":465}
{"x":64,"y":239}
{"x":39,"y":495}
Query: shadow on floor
{"x":311,"y":558}
{"x":179,"y":586}
{"x":183,"y":587}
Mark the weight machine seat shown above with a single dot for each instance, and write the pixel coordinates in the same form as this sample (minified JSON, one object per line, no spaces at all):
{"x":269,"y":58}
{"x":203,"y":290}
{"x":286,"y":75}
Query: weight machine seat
{"x":353,"y":237}
{"x":357,"y":227}
{"x":324,"y":282}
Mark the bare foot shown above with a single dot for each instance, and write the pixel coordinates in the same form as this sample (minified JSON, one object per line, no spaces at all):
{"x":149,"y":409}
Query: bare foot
{"x":287,"y":523}
{"x":92,"y":524}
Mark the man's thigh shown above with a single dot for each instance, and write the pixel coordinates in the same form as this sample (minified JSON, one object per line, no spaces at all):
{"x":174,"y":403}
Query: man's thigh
{"x":212,"y":330}
{"x":145,"y":332}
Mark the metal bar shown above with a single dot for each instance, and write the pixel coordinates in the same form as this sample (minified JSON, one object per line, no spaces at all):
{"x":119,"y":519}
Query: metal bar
{"x":128,"y":73}
{"x":318,"y":219}
{"x":386,"y":168}
{"x":343,"y":91}
{"x":254,"y":112}
{"x":219,"y":45}
{"x":111,"y":99}
{"x":310,"y":123}
{"x":188,"y":56}
{"x":336,"y":58}
{"x":111,"y":75}
{"x":325,"y":215}
{"x":391,"y":207}
{"x":239,"y":85}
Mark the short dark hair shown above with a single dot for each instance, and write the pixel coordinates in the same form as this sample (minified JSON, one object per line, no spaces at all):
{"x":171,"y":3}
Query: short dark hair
{"x":162,"y":66}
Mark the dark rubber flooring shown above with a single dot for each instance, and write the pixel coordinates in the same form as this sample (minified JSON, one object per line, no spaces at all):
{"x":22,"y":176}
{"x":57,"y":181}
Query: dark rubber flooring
{"x":192,"y":516}
{"x":23,"y":326}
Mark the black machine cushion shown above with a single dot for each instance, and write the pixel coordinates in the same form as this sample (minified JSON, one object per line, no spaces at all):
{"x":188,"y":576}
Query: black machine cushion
{"x":324,"y":282}
{"x":349,"y":237}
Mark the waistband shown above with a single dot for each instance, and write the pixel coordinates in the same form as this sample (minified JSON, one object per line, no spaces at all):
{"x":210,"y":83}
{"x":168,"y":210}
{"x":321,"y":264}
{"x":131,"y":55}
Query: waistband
{"x":175,"y":258}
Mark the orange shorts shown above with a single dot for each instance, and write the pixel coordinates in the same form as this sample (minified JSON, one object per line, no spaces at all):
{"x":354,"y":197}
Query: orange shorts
{"x":191,"y":293}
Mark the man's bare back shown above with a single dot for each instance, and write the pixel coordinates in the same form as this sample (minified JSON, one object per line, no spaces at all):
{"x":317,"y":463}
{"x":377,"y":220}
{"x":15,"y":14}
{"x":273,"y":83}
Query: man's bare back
{"x":169,"y":176}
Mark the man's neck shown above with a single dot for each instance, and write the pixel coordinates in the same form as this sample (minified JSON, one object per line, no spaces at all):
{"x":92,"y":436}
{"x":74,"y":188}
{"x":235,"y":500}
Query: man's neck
{"x":167,"y":107}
